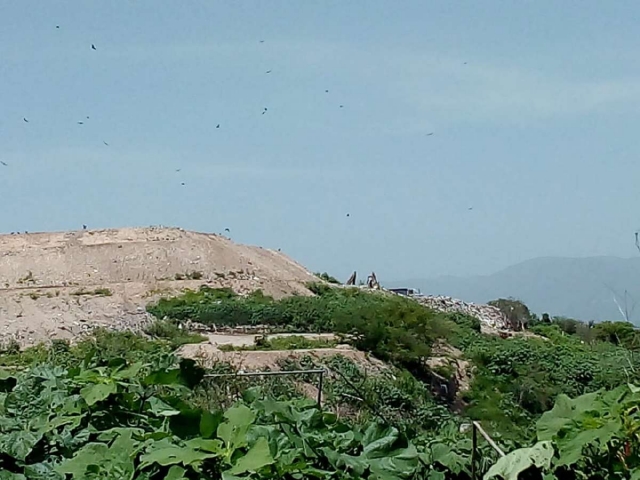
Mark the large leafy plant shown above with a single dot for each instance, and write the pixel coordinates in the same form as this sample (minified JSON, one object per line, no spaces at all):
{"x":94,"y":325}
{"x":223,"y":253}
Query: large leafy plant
{"x":594,"y":436}
{"x":134,"y":421}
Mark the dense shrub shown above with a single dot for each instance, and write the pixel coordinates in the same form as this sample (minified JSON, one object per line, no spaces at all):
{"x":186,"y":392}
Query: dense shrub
{"x":328,"y":278}
{"x":516,"y":312}
{"x":391,"y":327}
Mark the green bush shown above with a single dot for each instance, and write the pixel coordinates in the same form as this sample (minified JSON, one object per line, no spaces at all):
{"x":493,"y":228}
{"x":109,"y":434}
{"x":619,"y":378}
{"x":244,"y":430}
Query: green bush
{"x":391,"y":327}
{"x":328,"y":278}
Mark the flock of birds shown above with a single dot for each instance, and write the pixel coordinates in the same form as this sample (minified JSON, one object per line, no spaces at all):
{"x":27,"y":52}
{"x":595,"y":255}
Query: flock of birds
{"x":182,"y":183}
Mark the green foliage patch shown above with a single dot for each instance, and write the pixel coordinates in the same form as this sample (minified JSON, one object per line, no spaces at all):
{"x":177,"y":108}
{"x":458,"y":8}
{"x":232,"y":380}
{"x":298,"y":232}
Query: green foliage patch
{"x":393,"y":328}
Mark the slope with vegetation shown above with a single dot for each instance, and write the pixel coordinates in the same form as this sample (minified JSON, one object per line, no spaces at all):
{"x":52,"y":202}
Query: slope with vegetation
{"x":60,"y":285}
{"x":123,"y":406}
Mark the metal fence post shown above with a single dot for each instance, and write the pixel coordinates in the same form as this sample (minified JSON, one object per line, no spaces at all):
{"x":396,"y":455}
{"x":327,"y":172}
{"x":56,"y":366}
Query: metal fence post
{"x":474,"y":447}
{"x":320,"y":384}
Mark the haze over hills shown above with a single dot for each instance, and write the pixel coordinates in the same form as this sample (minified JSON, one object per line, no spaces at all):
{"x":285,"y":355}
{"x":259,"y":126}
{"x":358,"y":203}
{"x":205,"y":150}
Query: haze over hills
{"x":582,"y":288}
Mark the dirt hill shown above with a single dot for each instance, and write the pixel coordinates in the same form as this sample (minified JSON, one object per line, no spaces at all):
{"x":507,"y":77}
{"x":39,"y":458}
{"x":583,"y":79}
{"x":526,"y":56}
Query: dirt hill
{"x":57,"y":285}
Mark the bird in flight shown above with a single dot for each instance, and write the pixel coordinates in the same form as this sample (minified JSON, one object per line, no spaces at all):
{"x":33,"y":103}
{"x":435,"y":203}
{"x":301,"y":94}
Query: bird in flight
{"x":93,"y":47}
{"x":178,"y":169}
{"x":429,"y":134}
{"x":218,"y":126}
{"x":105,"y":143}
{"x":348,"y":214}
{"x":84,"y":227}
{"x":26,"y":121}
{"x":57,"y":26}
{"x":227,"y":230}
{"x":269,"y":71}
{"x":6,"y":165}
{"x":261,"y":41}
{"x":80,"y":123}
{"x":182,"y":183}
{"x":341,"y":106}
{"x":326,"y":91}
{"x":264,"y":111}
{"x":470,"y":208}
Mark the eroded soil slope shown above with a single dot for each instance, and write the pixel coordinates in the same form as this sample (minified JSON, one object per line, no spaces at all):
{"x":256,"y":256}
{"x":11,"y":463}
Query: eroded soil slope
{"x":57,"y":285}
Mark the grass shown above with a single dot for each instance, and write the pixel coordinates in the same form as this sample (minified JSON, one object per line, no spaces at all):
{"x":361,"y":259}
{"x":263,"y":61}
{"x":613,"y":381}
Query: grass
{"x":28,"y":278}
{"x":169,"y":331}
{"x":98,"y":292}
{"x":189,"y":276}
{"x":293,"y":342}
{"x":103,"y":346}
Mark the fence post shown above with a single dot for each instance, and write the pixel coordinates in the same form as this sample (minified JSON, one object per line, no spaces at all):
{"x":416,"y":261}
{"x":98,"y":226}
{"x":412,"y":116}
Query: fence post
{"x":474,"y":447}
{"x":320,"y":384}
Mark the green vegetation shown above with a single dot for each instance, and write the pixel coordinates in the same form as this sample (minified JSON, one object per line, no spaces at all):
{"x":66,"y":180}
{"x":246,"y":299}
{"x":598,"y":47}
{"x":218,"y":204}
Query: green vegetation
{"x":28,"y":278}
{"x":293,"y":342}
{"x":516,"y":312}
{"x":328,"y":278}
{"x":391,"y":327}
{"x":119,"y":405}
{"x":189,"y":276}
{"x":172,"y":333}
{"x":98,"y":292}
{"x":594,"y":436}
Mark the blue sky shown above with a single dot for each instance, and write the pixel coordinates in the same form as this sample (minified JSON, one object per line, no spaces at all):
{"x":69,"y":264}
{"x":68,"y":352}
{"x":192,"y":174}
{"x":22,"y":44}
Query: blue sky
{"x":533,"y":105}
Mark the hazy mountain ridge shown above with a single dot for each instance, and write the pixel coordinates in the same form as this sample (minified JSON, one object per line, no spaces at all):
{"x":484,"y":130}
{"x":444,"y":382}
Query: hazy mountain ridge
{"x":576,"y":287}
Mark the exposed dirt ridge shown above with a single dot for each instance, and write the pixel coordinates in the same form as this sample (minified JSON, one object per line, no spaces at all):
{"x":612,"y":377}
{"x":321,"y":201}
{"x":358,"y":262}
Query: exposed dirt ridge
{"x":57,"y":285}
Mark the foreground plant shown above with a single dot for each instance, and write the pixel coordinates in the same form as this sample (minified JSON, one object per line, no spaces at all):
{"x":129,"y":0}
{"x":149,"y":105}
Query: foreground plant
{"x":134,"y":421}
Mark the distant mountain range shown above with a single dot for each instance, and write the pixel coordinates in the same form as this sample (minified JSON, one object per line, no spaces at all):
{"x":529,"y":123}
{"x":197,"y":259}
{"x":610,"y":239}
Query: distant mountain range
{"x":582,"y":288}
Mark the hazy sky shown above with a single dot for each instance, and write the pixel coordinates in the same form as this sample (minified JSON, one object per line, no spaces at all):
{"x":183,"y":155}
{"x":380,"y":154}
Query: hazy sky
{"x":534,"y":109}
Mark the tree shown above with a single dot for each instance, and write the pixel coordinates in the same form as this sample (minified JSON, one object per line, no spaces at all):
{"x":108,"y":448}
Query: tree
{"x":518,"y":314}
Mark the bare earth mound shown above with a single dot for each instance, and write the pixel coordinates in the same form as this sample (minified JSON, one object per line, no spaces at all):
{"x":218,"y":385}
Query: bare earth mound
{"x":58,"y":285}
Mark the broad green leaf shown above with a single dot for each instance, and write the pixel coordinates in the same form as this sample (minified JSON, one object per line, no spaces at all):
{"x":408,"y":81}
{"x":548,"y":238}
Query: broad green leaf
{"x":175,"y":473}
{"x":129,"y":372}
{"x":257,"y":457}
{"x":570,"y":450}
{"x":401,"y":463}
{"x":433,"y":475}
{"x":209,"y":423}
{"x":342,"y":461}
{"x":213,"y":446}
{"x":19,"y":444}
{"x":511,"y":465}
{"x":378,"y":440}
{"x":635,"y":474}
{"x":233,"y":432}
{"x":161,"y":409}
{"x":240,"y":415}
{"x":90,"y":454}
{"x":163,"y":377}
{"x":174,"y":455}
{"x":442,"y":454}
{"x":97,"y":392}
{"x":126,"y":432}
{"x":72,"y":420}
{"x":6,"y":475}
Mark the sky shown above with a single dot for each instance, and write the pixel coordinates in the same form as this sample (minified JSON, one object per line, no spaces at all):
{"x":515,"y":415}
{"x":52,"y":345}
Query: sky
{"x":410,"y":138}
